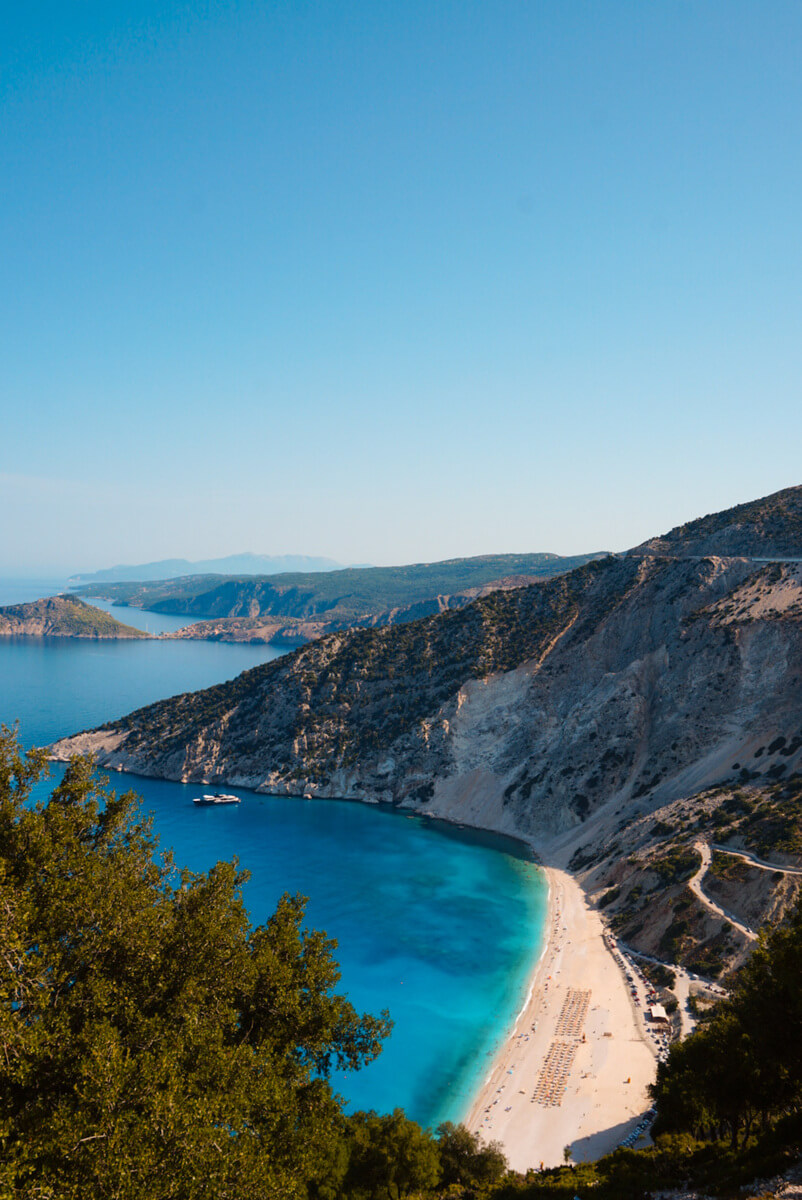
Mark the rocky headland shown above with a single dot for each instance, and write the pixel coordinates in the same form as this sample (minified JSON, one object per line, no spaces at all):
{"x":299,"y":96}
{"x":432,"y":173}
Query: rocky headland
{"x":527,"y":710}
{"x":62,"y":616}
{"x":351,"y":597}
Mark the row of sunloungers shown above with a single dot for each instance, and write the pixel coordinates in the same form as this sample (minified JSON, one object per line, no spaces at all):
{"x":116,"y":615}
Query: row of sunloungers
{"x":554,"y":1073}
{"x":573,"y":1013}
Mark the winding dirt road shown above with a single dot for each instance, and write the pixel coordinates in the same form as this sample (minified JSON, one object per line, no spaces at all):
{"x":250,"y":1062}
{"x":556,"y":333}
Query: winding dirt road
{"x":695,"y":884}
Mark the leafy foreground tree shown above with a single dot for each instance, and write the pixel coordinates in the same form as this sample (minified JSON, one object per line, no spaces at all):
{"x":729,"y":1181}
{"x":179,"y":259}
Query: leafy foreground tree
{"x":742,"y":1069}
{"x":153,"y":1043}
{"x":388,"y":1157}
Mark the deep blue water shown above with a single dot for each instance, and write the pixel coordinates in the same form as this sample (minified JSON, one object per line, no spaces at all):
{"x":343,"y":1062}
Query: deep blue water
{"x":440,"y":926}
{"x":55,"y":686}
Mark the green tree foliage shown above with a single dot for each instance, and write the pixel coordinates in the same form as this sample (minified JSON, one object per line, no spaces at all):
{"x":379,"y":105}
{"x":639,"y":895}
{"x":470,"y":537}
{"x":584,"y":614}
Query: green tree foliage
{"x":743,"y":1067}
{"x":465,"y":1160}
{"x":153,"y":1043}
{"x":390,"y":1158}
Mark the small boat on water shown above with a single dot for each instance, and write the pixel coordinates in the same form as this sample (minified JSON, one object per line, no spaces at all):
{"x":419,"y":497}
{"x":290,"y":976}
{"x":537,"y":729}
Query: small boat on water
{"x":216,"y":798}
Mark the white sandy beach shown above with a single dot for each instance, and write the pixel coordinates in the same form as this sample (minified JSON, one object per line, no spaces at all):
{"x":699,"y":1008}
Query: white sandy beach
{"x":579,"y":1031}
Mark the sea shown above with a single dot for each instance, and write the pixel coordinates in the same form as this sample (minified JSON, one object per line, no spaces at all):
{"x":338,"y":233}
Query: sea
{"x":440,"y":925}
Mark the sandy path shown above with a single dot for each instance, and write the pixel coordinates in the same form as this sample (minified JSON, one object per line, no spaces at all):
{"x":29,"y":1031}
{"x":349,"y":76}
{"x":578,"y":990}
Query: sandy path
{"x":605,"y":1076}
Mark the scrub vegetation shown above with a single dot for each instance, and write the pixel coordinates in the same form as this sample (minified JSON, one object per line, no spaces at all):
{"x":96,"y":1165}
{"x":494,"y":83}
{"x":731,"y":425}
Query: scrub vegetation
{"x":644,"y":894}
{"x":348,"y":596}
{"x":63,"y":616}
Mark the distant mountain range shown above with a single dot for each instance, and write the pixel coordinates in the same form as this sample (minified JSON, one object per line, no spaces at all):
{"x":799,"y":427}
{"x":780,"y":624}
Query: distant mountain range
{"x":234,"y":564}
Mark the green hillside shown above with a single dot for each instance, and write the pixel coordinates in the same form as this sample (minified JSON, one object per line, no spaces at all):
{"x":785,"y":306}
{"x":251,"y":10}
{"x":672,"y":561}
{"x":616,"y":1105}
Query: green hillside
{"x":63,"y":616}
{"x":345,"y":596}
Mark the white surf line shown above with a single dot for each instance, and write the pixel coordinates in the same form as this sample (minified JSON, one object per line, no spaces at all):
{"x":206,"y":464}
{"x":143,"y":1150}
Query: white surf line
{"x":596,"y":1102}
{"x":754,"y":861}
{"x":695,"y":885}
{"x":533,"y":980}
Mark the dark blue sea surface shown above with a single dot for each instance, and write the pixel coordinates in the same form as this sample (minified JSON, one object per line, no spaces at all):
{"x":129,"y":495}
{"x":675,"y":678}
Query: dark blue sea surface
{"x":55,"y":686}
{"x":439,"y":925}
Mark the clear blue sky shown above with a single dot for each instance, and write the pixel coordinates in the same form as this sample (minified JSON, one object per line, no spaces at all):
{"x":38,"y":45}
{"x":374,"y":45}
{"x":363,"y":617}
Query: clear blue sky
{"x":393,"y":282}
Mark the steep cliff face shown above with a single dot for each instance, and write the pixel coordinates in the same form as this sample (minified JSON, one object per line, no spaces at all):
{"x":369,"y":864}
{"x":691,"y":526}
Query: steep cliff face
{"x":766,"y":528}
{"x":629,"y":680}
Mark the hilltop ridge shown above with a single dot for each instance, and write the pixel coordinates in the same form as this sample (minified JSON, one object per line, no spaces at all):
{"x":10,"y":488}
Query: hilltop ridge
{"x":770,"y":527}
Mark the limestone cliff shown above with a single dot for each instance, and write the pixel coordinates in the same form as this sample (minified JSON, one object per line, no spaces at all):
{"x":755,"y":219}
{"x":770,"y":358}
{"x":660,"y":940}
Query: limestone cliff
{"x":536,"y":711}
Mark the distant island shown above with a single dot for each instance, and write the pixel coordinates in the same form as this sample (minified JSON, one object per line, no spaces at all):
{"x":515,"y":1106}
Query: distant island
{"x":233,"y":564}
{"x":63,"y":616}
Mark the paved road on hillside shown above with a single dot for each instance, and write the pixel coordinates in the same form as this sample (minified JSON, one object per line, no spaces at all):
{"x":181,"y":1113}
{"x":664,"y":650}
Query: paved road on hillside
{"x":760,"y":863}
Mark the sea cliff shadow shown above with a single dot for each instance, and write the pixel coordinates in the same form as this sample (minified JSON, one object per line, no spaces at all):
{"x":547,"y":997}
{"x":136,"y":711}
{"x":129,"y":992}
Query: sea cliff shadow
{"x":587,"y":1149}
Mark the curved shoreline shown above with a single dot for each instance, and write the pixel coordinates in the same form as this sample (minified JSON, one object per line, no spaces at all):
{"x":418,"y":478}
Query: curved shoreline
{"x":602,"y":1092}
{"x":606,"y":1090}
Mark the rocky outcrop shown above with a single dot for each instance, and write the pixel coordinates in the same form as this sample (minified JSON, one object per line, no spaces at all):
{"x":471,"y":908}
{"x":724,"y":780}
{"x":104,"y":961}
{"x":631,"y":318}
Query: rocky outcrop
{"x":766,"y":528}
{"x":624,"y":684}
{"x":62,"y":616}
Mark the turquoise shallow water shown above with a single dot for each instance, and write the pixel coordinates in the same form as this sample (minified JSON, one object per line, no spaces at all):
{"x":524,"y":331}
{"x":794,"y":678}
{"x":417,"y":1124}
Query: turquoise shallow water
{"x":441,"y":926}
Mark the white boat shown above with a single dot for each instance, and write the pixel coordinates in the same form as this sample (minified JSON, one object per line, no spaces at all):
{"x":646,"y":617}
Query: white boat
{"x":216,"y":798}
